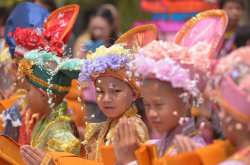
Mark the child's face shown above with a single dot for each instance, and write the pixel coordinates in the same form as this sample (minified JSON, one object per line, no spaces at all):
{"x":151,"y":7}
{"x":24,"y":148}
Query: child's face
{"x":234,"y":11}
{"x":113,"y":96}
{"x":35,"y":98}
{"x":162,"y":105}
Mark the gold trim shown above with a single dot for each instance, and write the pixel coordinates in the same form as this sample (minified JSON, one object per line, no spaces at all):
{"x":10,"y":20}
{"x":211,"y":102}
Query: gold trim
{"x":46,"y":159}
{"x":63,"y":146}
{"x":8,"y":158}
{"x":136,"y":30}
{"x":204,"y":15}
{"x":32,"y":142}
{"x":45,"y":84}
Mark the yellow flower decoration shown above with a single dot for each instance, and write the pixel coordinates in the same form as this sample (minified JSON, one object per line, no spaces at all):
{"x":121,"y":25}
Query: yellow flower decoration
{"x":102,"y":50}
{"x":24,"y":67}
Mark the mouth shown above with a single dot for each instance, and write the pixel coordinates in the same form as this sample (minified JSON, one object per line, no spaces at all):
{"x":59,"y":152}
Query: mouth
{"x":156,"y":123}
{"x":108,"y":108}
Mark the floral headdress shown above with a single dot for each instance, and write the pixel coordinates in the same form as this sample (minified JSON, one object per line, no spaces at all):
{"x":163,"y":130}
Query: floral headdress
{"x":185,"y":64}
{"x":182,"y":67}
{"x":113,"y":61}
{"x":52,"y":37}
{"x":34,"y":17}
{"x":35,"y":67}
{"x":116,"y":60}
{"x":231,"y":77}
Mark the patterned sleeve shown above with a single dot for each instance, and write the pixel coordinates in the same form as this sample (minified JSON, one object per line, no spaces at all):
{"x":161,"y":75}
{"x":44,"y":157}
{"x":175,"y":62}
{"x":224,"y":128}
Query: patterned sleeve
{"x":62,"y":139}
{"x":64,"y":142}
{"x":141,"y":129}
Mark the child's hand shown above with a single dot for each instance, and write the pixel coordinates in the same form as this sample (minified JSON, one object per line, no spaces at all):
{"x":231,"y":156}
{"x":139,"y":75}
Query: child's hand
{"x":32,"y":155}
{"x":125,"y":142}
{"x":184,"y":144}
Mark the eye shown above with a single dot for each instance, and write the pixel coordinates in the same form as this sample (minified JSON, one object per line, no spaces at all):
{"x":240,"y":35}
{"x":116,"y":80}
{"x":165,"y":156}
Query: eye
{"x":158,"y":105}
{"x":116,"y":91}
{"x":99,"y":91}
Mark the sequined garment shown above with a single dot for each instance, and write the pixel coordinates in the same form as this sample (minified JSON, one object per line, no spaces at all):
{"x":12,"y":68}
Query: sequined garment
{"x":57,"y":132}
{"x":241,"y":157}
{"x":12,"y":120}
{"x":102,"y":134}
{"x":165,"y":145}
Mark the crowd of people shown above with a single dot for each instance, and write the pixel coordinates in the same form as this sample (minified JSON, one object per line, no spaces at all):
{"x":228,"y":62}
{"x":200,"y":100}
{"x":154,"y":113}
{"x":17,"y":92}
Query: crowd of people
{"x":110,"y":98}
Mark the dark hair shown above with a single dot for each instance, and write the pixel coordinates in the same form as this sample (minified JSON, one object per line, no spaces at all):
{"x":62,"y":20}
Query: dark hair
{"x":242,"y":35}
{"x":222,"y":2}
{"x":50,"y":3}
{"x":106,"y":14}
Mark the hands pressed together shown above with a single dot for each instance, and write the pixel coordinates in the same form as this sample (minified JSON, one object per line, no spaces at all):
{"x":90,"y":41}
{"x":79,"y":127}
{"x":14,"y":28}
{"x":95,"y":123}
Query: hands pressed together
{"x":125,"y":142}
{"x":32,"y":155}
{"x":184,"y":144}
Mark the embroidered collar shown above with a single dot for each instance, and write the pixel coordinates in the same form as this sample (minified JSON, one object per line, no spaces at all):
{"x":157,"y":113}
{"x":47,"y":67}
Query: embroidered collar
{"x":187,"y":129}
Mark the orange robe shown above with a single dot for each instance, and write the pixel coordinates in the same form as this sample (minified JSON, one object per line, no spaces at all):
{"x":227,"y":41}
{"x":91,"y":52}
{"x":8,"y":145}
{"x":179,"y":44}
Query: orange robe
{"x":75,"y":105}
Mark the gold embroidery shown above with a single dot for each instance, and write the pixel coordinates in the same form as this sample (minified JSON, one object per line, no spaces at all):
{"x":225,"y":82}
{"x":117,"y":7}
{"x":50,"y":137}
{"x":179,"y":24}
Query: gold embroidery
{"x":65,"y":118}
{"x":48,"y":149}
{"x":102,"y":134}
{"x":45,"y":84}
{"x":24,"y":69}
{"x":63,"y":146}
{"x":136,"y":30}
{"x":46,"y":159}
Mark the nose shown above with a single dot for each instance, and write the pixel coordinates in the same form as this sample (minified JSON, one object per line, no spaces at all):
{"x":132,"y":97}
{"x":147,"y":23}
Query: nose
{"x":106,"y":98}
{"x":235,"y":12}
{"x":151,"y":113}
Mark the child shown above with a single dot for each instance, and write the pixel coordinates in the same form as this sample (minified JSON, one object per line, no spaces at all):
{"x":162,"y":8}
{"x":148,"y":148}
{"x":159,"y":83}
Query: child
{"x":18,"y":120}
{"x":174,"y":78}
{"x":234,"y":10}
{"x":48,"y":80}
{"x":231,"y":77}
{"x":115,"y":93}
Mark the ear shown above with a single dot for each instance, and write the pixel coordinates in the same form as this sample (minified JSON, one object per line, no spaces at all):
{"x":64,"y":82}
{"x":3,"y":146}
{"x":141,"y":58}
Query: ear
{"x":135,"y":94}
{"x":44,"y":94}
{"x":190,"y":103}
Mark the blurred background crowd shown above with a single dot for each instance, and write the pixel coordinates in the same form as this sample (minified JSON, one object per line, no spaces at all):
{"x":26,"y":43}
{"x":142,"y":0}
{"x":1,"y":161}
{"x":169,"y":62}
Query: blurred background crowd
{"x":102,"y":22}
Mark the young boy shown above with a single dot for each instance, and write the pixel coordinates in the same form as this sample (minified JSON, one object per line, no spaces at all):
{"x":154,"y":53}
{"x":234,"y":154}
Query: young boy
{"x":234,"y":10}
{"x":174,"y":78}
{"x":115,"y":94}
{"x":18,"y":120}
{"x":48,"y":80}
{"x":231,"y":77}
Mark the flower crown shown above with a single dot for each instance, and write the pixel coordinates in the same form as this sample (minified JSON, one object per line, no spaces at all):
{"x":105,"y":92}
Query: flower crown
{"x":175,"y":64}
{"x":237,"y":66}
{"x":44,"y":39}
{"x":113,"y":61}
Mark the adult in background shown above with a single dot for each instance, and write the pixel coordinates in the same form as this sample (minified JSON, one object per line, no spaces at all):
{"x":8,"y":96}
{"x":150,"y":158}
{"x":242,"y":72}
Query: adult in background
{"x":234,"y":10}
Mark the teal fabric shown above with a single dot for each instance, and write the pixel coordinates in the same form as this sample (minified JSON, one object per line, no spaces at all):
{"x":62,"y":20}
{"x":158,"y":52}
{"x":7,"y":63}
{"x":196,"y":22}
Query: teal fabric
{"x":67,"y":69}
